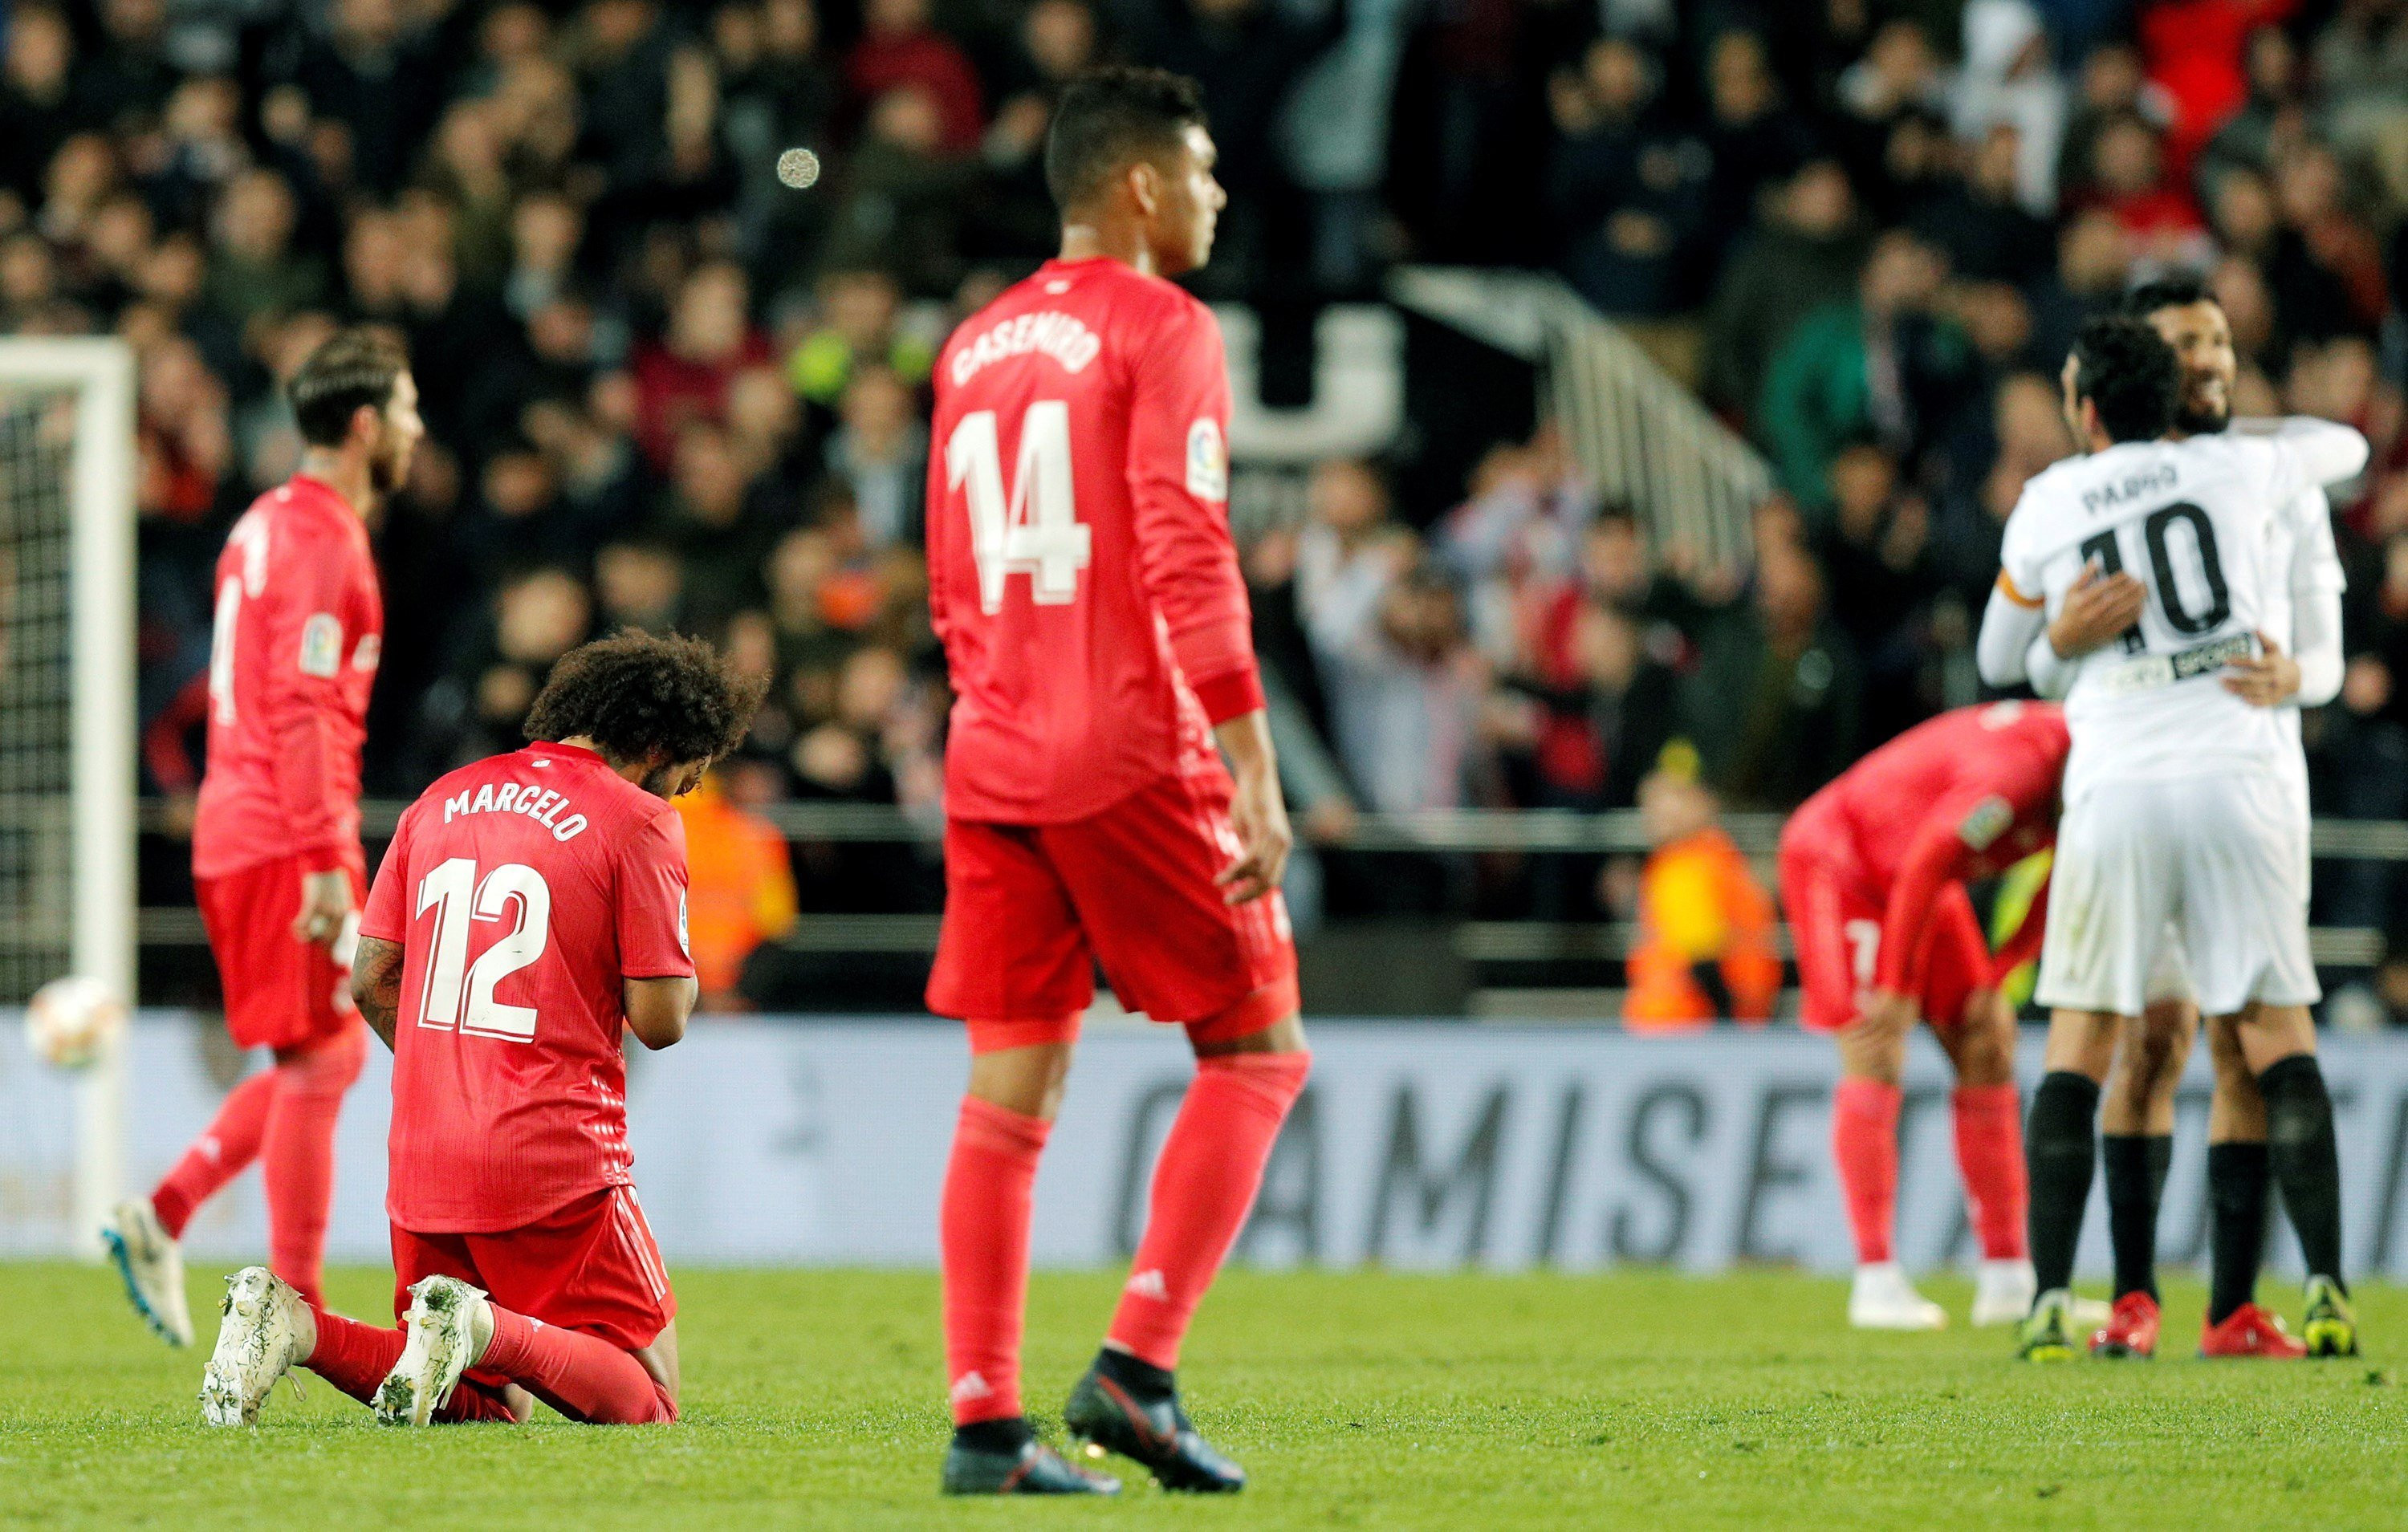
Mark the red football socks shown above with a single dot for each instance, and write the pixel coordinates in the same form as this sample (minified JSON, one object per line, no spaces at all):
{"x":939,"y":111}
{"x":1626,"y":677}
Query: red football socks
{"x":984,"y":1228}
{"x":230,"y":1143}
{"x":1991,"y":1158}
{"x":285,"y":1117}
{"x":297,"y":1155}
{"x":1204,"y":1183}
{"x":582,"y":1376}
{"x":1864,"y":1145}
{"x":353,"y":1356}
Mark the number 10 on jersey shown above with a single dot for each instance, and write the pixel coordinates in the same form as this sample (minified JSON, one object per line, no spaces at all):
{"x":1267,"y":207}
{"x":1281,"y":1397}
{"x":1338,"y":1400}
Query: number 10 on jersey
{"x":1033,"y":531}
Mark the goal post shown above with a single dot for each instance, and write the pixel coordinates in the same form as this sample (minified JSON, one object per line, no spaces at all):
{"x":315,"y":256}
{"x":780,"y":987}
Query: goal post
{"x":67,"y":889}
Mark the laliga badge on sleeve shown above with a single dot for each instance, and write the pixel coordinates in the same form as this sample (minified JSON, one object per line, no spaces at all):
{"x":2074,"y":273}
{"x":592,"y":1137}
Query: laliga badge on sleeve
{"x":321,"y":644}
{"x":1987,"y":820}
{"x":1208,"y":461}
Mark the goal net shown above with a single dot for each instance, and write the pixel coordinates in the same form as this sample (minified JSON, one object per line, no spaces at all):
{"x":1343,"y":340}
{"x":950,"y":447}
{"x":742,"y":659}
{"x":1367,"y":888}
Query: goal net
{"x":66,"y":705}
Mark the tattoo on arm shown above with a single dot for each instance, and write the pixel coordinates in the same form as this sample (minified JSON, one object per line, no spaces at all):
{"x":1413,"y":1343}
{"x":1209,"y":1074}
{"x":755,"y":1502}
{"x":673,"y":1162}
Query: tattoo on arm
{"x":376,"y":985}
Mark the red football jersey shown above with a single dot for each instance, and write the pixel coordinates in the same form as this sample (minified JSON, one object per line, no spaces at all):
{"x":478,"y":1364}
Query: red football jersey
{"x":522,"y":889}
{"x":1081,"y":570}
{"x":1965,"y":795}
{"x":293,"y":653}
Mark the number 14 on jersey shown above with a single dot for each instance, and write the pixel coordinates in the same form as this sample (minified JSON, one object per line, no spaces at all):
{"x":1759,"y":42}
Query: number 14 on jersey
{"x":1035,"y":530}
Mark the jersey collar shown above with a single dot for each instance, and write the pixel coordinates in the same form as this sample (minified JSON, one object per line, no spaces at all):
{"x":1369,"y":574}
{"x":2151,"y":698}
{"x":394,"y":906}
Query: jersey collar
{"x":574,"y":752}
{"x":310,"y":489}
{"x":321,"y":491}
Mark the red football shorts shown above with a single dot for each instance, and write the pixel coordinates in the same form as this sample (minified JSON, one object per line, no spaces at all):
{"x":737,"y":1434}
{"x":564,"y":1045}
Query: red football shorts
{"x":281,"y":992}
{"x":592,"y":1266}
{"x":1837,"y":928}
{"x":1032,"y":909}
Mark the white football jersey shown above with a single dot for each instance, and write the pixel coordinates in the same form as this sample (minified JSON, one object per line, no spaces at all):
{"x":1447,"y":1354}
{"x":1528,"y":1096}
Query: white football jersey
{"x":2209,"y":525}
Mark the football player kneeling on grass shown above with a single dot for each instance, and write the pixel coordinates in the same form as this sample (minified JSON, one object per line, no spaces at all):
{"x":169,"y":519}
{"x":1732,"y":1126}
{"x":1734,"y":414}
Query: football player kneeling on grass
{"x":530,"y":910}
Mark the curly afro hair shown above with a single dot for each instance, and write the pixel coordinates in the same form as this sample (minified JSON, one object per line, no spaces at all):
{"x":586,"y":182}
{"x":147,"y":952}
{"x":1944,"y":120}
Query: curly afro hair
{"x":642,"y":697}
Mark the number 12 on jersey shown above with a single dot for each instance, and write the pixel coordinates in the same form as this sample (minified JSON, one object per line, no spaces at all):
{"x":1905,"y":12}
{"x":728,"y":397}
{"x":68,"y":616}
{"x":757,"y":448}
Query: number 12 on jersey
{"x":455,"y":893}
{"x":1035,"y":530}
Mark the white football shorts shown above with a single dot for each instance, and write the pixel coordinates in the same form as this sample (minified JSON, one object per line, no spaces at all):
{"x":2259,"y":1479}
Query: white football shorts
{"x":2222,"y":859}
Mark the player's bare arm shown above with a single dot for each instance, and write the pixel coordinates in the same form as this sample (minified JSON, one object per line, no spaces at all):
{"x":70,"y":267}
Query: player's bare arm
{"x":658,"y":1010}
{"x":376,"y":985}
{"x":1257,"y":811}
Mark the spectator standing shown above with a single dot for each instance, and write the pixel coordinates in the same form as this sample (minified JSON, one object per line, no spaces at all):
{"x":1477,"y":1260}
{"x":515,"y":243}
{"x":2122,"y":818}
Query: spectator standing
{"x":2007,"y":80}
{"x":1706,"y":926}
{"x":1889,"y":367}
{"x":1804,"y":254}
{"x":1630,"y":191}
{"x":1777,"y":694}
{"x":899,"y":50}
{"x":685,"y":376}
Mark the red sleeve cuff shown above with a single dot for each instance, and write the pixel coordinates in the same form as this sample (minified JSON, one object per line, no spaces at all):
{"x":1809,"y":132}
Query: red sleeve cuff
{"x":1231,"y":696}
{"x":326,"y":858}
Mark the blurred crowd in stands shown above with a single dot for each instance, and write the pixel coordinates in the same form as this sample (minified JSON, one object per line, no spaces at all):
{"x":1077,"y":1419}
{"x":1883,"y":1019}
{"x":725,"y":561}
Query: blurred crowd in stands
{"x":665,"y":390}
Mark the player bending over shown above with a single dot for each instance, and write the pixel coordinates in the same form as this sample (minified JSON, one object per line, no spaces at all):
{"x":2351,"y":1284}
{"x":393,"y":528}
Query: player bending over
{"x":275,"y":845}
{"x":2177,"y":809}
{"x":1873,"y":870}
{"x":1086,"y":589}
{"x":532,"y":907}
{"x":2136,"y":1119}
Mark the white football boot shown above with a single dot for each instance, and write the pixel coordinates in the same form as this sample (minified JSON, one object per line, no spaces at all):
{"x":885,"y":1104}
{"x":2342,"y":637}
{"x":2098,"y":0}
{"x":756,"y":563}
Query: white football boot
{"x":1884,"y":1299}
{"x":153,"y":1268}
{"x":259,"y":1339}
{"x":448,"y":1326}
{"x":2003,"y":1293}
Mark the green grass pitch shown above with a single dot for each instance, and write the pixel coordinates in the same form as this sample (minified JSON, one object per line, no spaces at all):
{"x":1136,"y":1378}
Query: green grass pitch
{"x":1373,"y":1401}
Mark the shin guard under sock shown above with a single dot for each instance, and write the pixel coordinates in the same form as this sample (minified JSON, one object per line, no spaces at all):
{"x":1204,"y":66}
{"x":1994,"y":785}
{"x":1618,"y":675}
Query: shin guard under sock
{"x":1863,"y":1151}
{"x":1204,"y":1183}
{"x":297,"y":1155}
{"x":1990,"y":1160}
{"x":984,"y":1231}
{"x":229,"y":1143}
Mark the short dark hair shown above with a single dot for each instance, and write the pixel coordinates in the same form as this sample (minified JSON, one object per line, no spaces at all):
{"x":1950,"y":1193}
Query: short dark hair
{"x":2177,"y":291}
{"x":349,"y":368}
{"x":642,"y":697}
{"x":2123,"y":367}
{"x":1112,"y":116}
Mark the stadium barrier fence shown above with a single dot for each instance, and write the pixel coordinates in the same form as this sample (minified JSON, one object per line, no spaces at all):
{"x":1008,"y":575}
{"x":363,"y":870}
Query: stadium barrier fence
{"x":1419,"y":1145}
{"x":1529,"y":831}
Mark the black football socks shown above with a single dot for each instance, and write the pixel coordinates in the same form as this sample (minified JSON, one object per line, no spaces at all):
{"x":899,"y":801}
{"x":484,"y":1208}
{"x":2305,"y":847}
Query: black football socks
{"x":2135,"y":1167}
{"x":2236,"y":1191}
{"x":2059,"y":1151}
{"x":1006,"y":1436}
{"x":2303,"y":1159}
{"x":1142,"y":1379}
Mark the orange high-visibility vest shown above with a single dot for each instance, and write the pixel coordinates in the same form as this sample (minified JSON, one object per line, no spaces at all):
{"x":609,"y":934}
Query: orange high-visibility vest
{"x":1699,"y":902}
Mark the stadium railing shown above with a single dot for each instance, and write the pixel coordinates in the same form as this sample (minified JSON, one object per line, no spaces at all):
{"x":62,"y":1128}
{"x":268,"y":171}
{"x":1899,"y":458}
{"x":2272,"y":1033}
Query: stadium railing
{"x":1641,"y":438}
{"x":1469,"y":831}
